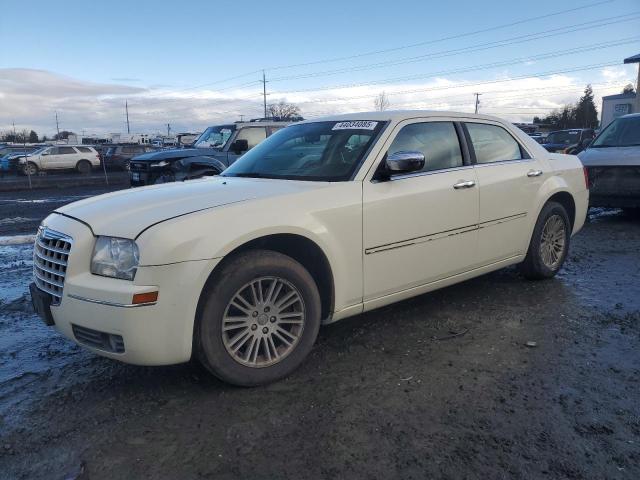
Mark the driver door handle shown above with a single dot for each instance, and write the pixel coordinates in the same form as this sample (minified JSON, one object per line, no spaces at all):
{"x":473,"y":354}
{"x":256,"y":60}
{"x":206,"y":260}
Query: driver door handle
{"x":464,"y":184}
{"x":534,"y":173}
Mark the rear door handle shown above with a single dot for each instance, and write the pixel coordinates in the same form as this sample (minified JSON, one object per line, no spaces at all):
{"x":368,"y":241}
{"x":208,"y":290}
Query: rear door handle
{"x":534,"y":173}
{"x":464,"y":184}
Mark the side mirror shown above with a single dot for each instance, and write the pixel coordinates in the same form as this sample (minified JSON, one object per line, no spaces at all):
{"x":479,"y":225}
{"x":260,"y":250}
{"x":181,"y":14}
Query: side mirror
{"x":44,"y":153}
{"x":239,"y":146}
{"x":405,"y":162}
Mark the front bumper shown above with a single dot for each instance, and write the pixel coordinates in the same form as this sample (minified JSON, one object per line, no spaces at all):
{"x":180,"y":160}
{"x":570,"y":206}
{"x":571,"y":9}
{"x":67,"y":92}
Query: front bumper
{"x":614,"y":186}
{"x":94,"y":307}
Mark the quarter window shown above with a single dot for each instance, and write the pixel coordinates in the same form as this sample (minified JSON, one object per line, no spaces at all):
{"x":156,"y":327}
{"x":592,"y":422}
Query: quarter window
{"x":66,"y":150}
{"x":492,"y":143}
{"x":85,"y":149}
{"x":437,"y":141}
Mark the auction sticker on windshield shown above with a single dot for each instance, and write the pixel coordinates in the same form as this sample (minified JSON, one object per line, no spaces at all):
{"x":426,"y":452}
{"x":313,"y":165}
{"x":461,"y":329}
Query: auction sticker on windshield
{"x":356,"y":124}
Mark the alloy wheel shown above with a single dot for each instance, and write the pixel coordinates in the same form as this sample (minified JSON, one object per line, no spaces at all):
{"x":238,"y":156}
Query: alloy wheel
{"x":263,"y":322}
{"x":552,"y":241}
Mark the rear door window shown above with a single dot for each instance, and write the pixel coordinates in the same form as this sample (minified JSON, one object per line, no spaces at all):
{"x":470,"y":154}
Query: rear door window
{"x":253,"y":135}
{"x":492,"y":143}
{"x":66,"y":151}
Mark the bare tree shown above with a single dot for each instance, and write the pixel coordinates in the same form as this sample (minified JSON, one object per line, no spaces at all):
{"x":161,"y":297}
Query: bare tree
{"x":284,"y":111}
{"x":382,"y":101}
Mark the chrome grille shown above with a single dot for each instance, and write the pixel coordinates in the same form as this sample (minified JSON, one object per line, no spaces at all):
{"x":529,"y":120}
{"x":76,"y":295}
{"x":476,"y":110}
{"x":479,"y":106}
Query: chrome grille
{"x":50,"y":256}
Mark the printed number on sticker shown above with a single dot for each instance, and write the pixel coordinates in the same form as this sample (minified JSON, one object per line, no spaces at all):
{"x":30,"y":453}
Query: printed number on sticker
{"x":357,"y":124}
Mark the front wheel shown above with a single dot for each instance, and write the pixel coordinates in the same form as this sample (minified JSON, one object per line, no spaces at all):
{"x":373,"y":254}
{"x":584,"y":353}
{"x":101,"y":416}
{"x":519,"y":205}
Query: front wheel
{"x":258,"y":319}
{"x":549,"y":243}
{"x":84,"y":167}
{"x":30,"y":168}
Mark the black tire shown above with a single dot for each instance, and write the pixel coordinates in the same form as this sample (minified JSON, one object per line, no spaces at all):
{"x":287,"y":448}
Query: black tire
{"x":223,"y":287}
{"x":30,"y":168}
{"x":84,"y":167}
{"x":534,"y":267}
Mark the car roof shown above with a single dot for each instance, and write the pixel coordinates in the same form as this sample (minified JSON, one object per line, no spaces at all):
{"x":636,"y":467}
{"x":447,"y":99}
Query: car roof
{"x":399,"y":115}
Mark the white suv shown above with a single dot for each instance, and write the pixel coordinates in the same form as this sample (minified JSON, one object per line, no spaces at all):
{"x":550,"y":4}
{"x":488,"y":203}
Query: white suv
{"x":323,"y":220}
{"x":81,"y":158}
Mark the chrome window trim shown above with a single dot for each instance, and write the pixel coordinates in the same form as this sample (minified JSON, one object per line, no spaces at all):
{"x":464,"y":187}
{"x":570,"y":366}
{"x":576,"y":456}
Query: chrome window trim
{"x":404,"y":176}
{"x":501,"y":162}
{"x":110,"y":304}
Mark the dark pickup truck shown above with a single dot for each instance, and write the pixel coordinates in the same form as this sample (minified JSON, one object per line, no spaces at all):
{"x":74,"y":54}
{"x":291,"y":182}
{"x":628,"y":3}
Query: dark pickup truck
{"x":217,"y":148}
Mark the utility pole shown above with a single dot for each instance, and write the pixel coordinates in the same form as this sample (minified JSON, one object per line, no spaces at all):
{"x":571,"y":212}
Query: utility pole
{"x":264,"y":93}
{"x":57,"y":125}
{"x":126,"y":109}
{"x":168,"y":129}
{"x":14,"y":130}
{"x":477,"y":100}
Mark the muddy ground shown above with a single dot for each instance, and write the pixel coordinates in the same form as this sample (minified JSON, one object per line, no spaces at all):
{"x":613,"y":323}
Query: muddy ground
{"x":440,"y":386}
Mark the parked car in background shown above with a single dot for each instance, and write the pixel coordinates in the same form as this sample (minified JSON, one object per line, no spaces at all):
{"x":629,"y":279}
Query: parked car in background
{"x":216,"y":148}
{"x":119,"y":156}
{"x":538,"y":137}
{"x":8,"y":152}
{"x":576,"y":139}
{"x":613,"y":164}
{"x":324,"y":220}
{"x":78,"y":157}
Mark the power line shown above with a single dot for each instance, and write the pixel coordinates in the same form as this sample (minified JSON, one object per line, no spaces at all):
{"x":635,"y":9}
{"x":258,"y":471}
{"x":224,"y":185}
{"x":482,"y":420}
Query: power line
{"x":472,"y":84}
{"x":442,"y":39}
{"x":473,"y":48}
{"x":538,"y":35}
{"x":513,"y":61}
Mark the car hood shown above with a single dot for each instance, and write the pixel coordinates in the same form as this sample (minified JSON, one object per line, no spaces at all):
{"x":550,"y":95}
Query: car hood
{"x":127,"y":213}
{"x":175,"y":154}
{"x":610,"y":156}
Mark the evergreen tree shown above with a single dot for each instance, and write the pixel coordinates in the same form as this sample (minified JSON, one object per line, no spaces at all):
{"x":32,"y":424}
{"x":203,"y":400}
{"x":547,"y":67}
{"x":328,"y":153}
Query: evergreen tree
{"x":33,"y":137}
{"x":586,"y":114}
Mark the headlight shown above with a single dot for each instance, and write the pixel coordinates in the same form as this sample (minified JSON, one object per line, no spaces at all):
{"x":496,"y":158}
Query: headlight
{"x":161,"y":163}
{"x":115,"y":257}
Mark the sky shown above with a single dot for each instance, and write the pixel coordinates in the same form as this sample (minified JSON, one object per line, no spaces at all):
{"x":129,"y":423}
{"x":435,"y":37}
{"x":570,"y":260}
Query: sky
{"x":200,"y":63}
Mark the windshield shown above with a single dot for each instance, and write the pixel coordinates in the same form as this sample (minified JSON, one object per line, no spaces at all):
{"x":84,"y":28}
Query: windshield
{"x":215,"y":137}
{"x":568,"y":137}
{"x":321,"y":151}
{"x":622,"y":132}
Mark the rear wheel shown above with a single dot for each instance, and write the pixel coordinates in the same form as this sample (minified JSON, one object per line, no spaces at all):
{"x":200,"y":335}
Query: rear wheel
{"x":258,"y":319}
{"x":549,"y":243}
{"x":84,"y":166}
{"x":30,"y":168}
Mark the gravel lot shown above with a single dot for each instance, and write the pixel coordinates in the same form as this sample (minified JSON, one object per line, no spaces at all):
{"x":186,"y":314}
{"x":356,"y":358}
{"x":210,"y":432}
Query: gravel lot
{"x":497,"y":377}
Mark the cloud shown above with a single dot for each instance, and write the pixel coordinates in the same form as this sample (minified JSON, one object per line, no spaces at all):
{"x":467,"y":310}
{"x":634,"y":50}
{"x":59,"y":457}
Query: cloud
{"x":30,"y":98}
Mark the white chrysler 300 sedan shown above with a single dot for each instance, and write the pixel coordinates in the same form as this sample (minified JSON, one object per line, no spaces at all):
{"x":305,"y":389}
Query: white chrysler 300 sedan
{"x":323,"y":220}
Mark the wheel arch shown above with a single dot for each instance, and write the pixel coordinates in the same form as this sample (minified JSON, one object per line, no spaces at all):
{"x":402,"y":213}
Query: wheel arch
{"x":565,"y":199}
{"x":299,"y":247}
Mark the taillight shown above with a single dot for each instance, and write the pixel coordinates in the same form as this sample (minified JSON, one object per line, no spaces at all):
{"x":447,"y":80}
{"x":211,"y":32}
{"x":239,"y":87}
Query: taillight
{"x":586,"y":177}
